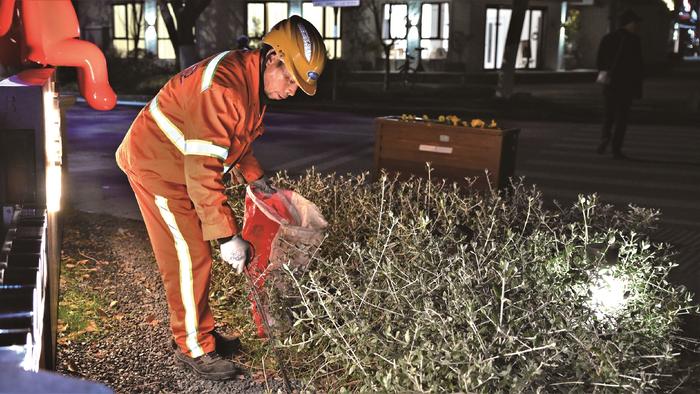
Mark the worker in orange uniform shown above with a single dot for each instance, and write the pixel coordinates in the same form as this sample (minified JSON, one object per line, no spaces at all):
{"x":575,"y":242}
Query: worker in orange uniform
{"x":200,"y":126}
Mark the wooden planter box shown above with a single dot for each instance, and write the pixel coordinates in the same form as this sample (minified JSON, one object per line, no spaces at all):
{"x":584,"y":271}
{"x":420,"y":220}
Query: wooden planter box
{"x":454,"y":152}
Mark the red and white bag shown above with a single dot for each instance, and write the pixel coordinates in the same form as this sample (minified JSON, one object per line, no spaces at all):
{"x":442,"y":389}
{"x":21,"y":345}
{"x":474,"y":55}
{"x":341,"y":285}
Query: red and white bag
{"x":283,"y":228}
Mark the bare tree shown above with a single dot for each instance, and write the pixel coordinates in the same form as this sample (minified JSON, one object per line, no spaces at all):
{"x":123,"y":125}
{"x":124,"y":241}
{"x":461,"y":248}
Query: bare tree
{"x":376,"y":8}
{"x":136,"y":26}
{"x":506,"y":75}
{"x":185,"y":13}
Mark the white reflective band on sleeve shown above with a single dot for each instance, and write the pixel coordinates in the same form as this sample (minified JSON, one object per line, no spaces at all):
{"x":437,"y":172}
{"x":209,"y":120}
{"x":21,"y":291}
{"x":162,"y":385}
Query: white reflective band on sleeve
{"x":186,"y":281}
{"x":169,"y":129}
{"x":205,"y":148}
{"x":226,"y":168}
{"x":208,"y":76}
{"x":186,"y":147}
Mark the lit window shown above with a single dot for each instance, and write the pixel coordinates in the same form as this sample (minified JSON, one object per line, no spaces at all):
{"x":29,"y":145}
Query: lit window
{"x":327,"y":22}
{"x":435,"y":30}
{"x":129,"y":23}
{"x":394,"y":28}
{"x":497,"y":22}
{"x":129,"y":28}
{"x":262,"y":16}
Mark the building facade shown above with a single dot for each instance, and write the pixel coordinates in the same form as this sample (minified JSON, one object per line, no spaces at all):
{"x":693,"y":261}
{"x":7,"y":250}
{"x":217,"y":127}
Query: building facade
{"x":436,"y":35}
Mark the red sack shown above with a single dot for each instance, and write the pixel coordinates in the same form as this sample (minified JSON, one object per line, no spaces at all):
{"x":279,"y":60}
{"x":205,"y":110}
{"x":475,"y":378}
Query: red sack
{"x":283,"y":228}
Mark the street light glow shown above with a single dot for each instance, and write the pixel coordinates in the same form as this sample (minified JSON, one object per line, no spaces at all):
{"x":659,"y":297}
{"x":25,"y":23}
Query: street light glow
{"x":53,"y":188}
{"x":54,"y":151}
{"x":607,"y":293}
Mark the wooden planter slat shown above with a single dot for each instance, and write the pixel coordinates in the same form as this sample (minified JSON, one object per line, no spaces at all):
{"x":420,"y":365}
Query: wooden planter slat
{"x":454,"y":152}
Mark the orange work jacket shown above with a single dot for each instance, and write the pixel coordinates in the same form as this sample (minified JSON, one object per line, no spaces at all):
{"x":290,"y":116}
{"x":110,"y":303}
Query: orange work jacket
{"x":199,"y":125}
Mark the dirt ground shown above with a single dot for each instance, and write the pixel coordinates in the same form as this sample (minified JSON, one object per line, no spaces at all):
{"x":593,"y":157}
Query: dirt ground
{"x":114,"y":320}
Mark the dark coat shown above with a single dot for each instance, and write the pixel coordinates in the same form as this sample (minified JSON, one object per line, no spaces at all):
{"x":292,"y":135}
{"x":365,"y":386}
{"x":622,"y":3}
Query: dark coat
{"x":620,"y":53}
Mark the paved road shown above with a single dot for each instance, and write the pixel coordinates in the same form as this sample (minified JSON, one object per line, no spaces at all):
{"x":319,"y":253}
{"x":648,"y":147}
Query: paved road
{"x":95,"y":183}
{"x":663,"y":171}
{"x":292,"y":142}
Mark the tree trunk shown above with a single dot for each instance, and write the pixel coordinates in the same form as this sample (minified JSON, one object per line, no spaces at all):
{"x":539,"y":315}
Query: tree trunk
{"x":187,"y":55}
{"x":387,"y":66}
{"x":170,"y":26}
{"x":136,"y":27}
{"x":375,"y":7}
{"x":182,"y":38}
{"x":185,"y":37}
{"x":506,"y":75}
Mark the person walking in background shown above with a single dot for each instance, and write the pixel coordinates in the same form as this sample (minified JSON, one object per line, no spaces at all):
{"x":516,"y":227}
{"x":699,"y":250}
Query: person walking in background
{"x":621,"y":73}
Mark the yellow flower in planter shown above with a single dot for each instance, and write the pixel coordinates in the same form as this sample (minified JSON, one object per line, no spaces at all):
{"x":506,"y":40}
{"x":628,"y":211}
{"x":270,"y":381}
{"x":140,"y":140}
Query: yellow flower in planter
{"x":493,"y":124}
{"x":477,"y":123}
{"x":426,"y":117}
{"x":441,"y":118}
{"x":453,"y":119}
{"x":465,"y":123}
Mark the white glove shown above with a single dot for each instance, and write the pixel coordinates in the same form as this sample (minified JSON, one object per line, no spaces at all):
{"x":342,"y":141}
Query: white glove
{"x":236,"y":252}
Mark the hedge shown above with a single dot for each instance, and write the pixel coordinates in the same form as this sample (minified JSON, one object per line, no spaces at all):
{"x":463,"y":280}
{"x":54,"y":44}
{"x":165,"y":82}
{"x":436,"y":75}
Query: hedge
{"x":428,"y":286}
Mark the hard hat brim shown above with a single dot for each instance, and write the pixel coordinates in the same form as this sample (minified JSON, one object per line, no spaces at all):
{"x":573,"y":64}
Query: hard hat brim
{"x":306,"y":87}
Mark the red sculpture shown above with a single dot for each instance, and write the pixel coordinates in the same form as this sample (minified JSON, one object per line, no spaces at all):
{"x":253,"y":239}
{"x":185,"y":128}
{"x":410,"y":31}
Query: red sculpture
{"x":49,"y":36}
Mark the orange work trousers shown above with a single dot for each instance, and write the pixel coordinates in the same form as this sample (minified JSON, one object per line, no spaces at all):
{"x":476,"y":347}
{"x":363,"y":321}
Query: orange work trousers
{"x":184,"y":260}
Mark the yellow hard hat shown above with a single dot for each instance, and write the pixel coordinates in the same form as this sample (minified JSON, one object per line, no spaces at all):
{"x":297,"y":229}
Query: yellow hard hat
{"x":301,"y":48}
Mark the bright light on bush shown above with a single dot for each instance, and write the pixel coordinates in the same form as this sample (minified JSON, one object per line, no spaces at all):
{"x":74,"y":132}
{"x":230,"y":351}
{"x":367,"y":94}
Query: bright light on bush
{"x":607,"y":293}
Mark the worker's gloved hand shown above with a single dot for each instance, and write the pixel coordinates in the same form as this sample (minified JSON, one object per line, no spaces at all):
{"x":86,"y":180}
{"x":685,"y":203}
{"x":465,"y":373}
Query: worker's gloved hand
{"x":236,"y":252}
{"x":264,"y":185}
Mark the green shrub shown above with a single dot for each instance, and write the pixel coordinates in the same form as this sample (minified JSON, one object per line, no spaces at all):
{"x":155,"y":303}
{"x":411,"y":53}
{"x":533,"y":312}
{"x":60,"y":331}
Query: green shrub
{"x":425,"y":287}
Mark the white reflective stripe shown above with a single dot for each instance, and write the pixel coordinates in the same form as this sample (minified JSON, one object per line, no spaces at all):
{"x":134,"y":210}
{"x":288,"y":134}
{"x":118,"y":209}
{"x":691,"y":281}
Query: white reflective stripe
{"x":210,"y":70}
{"x":205,"y":148}
{"x":226,"y":168}
{"x":169,"y":129}
{"x":186,"y":281}
{"x":186,"y":147}
{"x":307,"y":42}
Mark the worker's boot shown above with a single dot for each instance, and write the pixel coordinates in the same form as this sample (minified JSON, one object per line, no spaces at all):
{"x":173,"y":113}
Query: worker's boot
{"x":209,"y":366}
{"x":226,"y":346}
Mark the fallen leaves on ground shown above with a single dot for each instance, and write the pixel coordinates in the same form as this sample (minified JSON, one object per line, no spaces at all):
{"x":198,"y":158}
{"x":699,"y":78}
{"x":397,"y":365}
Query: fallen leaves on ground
{"x":91,"y":327}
